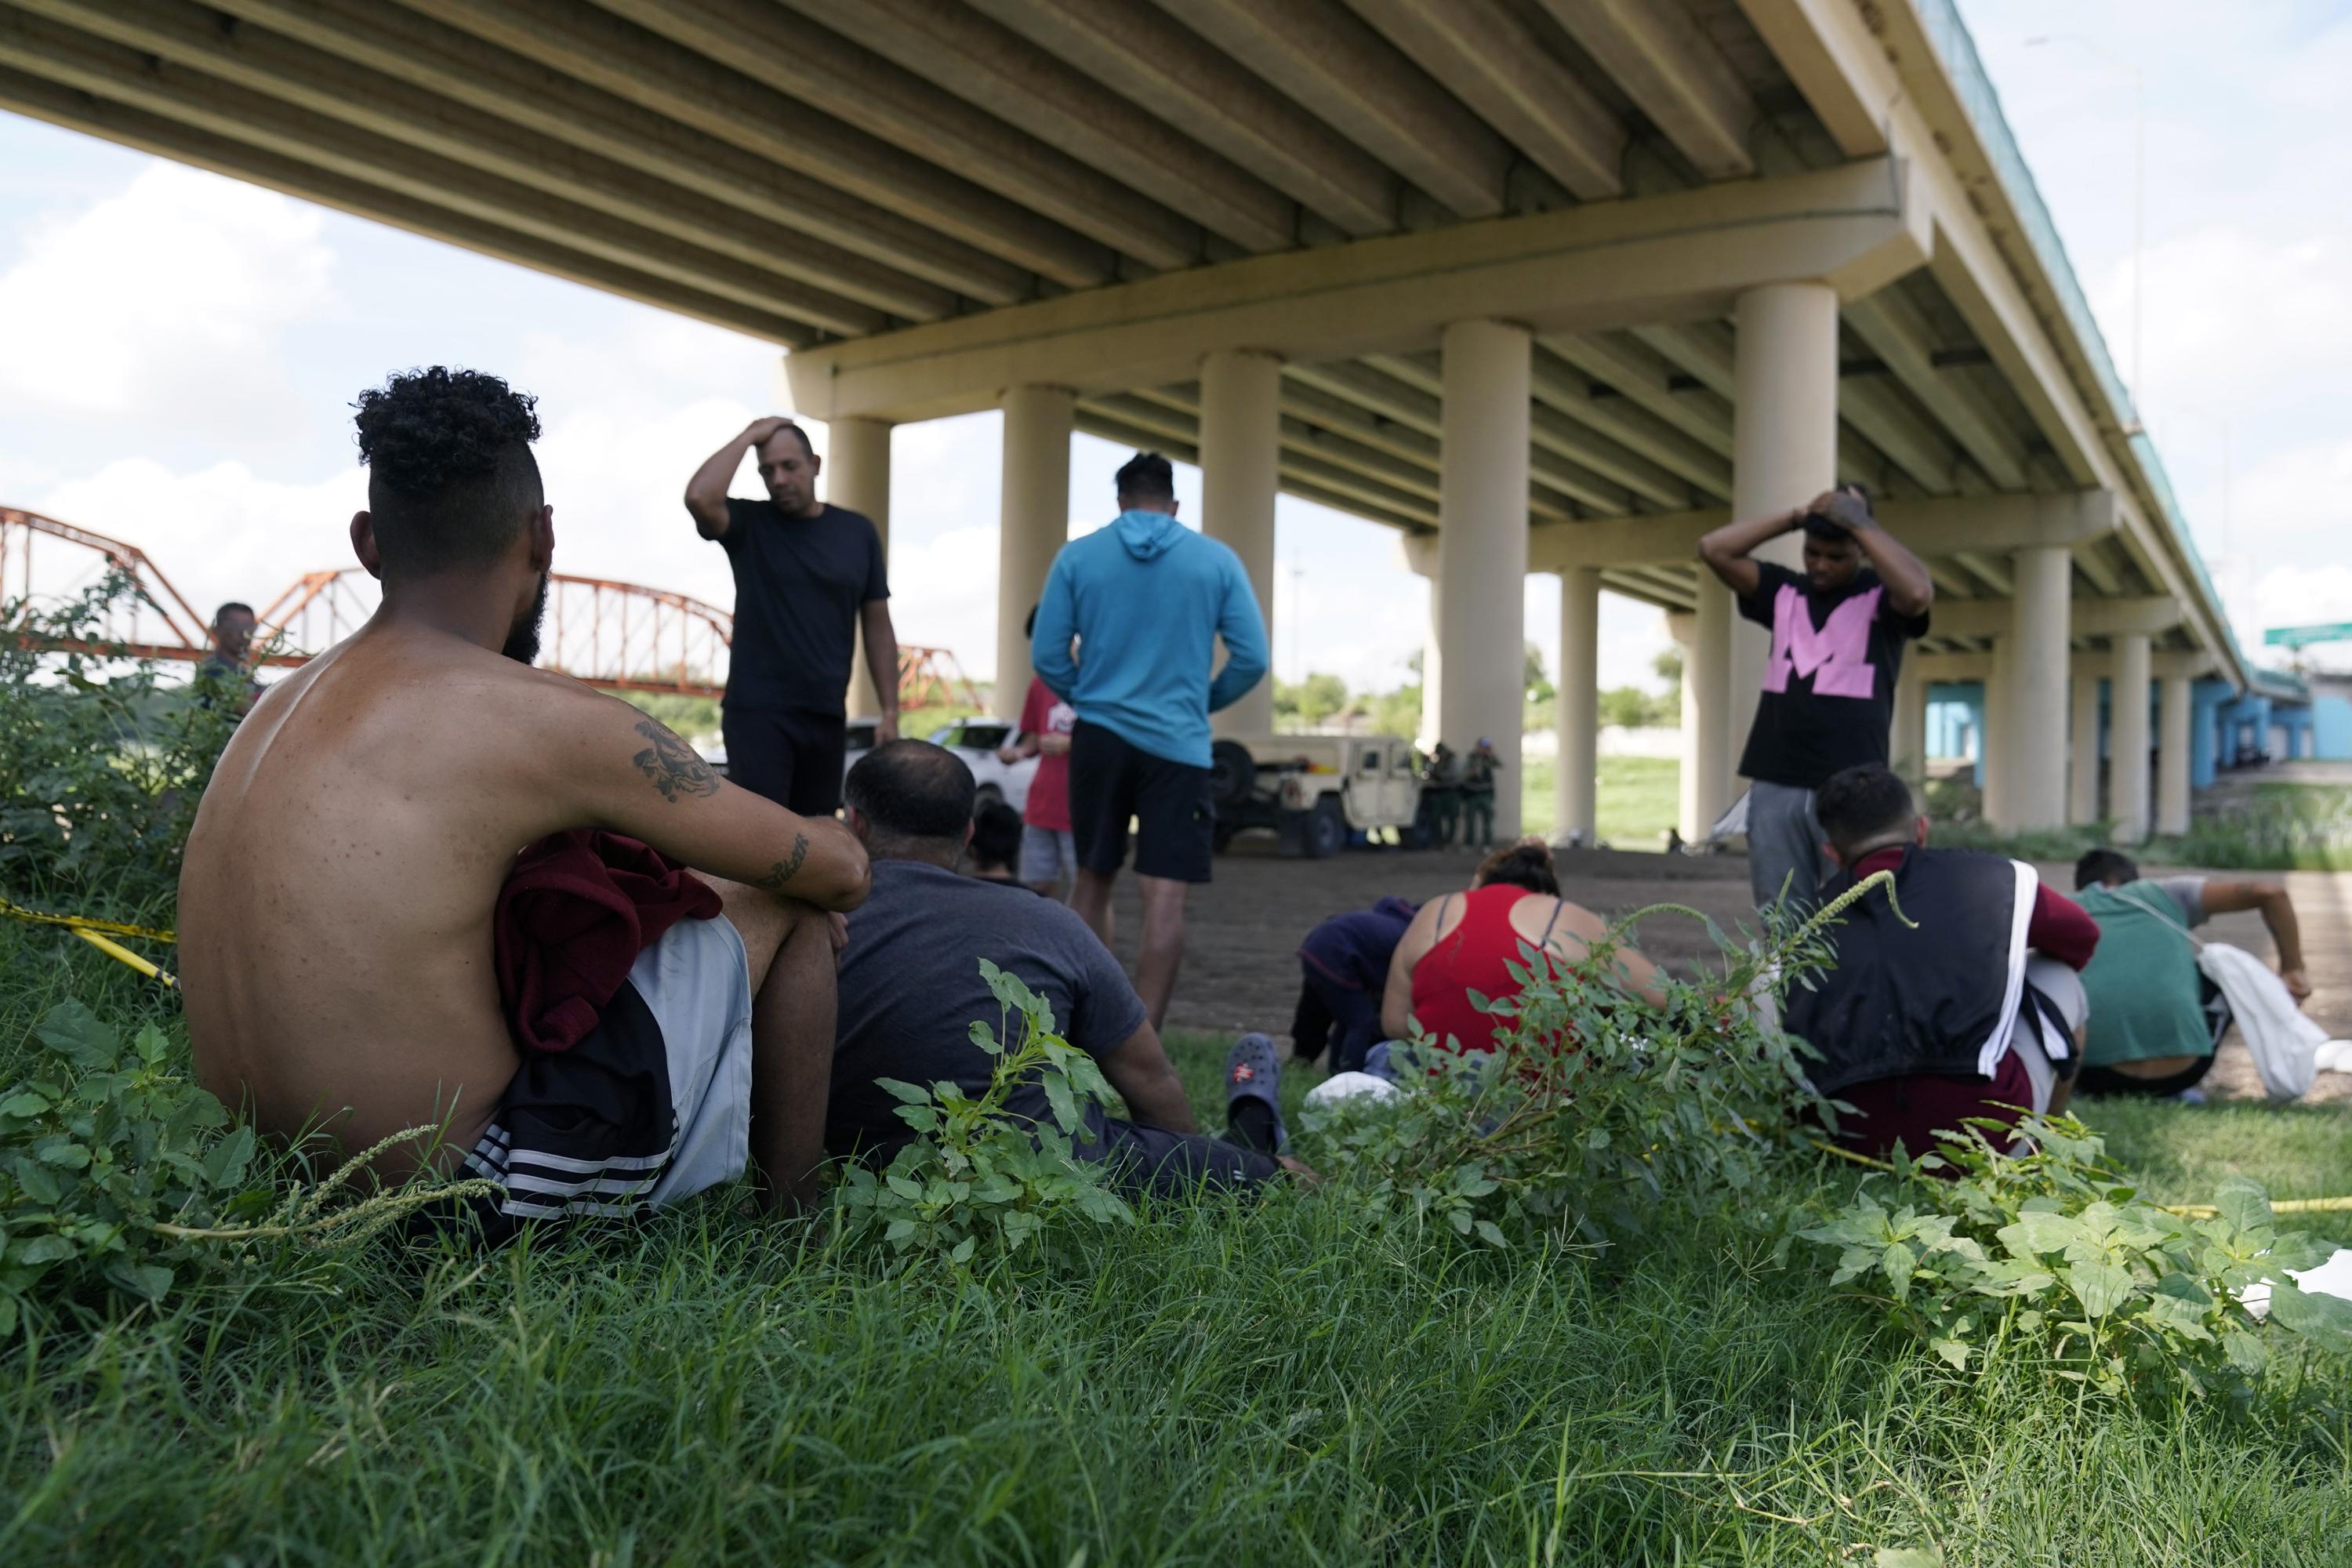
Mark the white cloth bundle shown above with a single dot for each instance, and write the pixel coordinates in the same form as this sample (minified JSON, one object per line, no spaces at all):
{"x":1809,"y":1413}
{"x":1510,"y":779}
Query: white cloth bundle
{"x":2286,"y":1044}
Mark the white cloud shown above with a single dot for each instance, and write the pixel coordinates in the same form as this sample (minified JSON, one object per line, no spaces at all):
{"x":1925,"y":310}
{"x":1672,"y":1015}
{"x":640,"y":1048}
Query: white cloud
{"x":219,"y":533}
{"x":2303,"y":596}
{"x":943,"y":594}
{"x":171,"y":300}
{"x":2296,"y":503}
{"x":2239,"y":318}
{"x":615,"y":469}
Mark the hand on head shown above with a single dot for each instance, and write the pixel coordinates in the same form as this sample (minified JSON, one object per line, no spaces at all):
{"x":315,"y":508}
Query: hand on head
{"x":1847,"y":507}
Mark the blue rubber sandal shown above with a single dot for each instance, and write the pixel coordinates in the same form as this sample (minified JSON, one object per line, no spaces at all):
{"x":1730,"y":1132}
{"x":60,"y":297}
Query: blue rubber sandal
{"x":1253,"y":1072}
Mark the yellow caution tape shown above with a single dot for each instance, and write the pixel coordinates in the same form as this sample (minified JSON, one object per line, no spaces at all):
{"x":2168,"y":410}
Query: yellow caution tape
{"x":90,"y":930}
{"x":115,"y":949}
{"x":83,"y":923}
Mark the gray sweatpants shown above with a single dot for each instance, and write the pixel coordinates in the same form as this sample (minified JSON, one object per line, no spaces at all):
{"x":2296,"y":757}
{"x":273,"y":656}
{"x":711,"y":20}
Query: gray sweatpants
{"x":1784,"y":844}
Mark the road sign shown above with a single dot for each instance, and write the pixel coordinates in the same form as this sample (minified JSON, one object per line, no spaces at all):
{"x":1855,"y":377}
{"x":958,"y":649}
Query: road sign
{"x":2303,"y":637}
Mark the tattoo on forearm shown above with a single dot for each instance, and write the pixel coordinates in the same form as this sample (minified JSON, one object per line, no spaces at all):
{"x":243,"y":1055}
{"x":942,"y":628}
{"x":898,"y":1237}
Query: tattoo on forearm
{"x":674,"y":767}
{"x":784,"y":871}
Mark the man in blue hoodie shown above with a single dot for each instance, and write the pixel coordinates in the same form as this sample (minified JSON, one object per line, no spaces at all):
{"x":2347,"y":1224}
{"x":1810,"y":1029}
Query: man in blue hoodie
{"x":1145,"y":600}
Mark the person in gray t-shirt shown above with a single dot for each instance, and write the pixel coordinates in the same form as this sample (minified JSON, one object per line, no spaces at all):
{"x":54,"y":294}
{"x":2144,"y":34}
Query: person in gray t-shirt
{"x":910,"y":989}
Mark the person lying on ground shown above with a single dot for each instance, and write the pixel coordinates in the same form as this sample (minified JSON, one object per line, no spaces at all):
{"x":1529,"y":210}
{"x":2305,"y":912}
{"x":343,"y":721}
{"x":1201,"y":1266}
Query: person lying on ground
{"x":1828,"y":699}
{"x":1343,"y":967}
{"x":1975,"y":1010}
{"x":996,"y":842}
{"x":2156,"y":1020}
{"x":341,"y":886}
{"x":1466,"y":942}
{"x":911,"y":990}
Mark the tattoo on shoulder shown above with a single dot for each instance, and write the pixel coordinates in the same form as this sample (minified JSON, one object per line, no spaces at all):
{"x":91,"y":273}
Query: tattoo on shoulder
{"x":784,"y":870}
{"x":674,"y":767}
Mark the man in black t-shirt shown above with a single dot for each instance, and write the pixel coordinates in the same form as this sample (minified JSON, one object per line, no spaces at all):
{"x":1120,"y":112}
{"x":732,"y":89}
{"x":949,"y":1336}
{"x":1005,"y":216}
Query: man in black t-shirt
{"x":1827,"y":699}
{"x":808,"y":577}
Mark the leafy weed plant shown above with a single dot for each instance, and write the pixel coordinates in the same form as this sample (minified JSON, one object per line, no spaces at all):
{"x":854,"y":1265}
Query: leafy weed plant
{"x":2050,"y":1253}
{"x":975,"y":1175}
{"x":1597,"y":1111}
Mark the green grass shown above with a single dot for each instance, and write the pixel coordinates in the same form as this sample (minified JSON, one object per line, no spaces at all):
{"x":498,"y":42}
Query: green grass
{"x":1637,"y":801}
{"x":2274,"y":826}
{"x":1228,"y":1384}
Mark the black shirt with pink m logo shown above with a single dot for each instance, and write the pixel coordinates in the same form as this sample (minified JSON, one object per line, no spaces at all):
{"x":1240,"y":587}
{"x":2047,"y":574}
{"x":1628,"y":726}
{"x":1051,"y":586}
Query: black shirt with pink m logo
{"x":1828,"y":697}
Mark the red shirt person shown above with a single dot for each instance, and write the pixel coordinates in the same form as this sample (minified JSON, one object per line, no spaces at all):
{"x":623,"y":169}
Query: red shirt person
{"x":1049,"y":852}
{"x":1465,"y":941}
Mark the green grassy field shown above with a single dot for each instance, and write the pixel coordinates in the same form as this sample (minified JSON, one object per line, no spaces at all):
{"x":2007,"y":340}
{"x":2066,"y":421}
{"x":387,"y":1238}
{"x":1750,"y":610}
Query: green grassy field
{"x":2269,"y":826}
{"x":1637,"y":799}
{"x":1227,"y":1383}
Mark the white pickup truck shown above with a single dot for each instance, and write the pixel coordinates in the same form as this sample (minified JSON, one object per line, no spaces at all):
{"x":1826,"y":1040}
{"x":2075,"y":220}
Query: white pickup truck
{"x":1316,"y":793}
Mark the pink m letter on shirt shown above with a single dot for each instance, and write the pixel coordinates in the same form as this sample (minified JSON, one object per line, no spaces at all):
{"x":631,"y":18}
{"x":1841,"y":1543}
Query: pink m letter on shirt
{"x":1837,"y":657}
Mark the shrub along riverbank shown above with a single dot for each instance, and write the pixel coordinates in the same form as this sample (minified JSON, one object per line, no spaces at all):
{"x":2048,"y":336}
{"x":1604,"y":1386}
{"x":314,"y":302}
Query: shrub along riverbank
{"x":1614,"y":1308}
{"x":1293,"y":1380}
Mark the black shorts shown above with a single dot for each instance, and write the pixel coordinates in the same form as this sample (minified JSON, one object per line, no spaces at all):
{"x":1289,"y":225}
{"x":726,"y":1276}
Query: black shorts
{"x":1111,"y":781}
{"x":651,"y":1106}
{"x":793,"y":758}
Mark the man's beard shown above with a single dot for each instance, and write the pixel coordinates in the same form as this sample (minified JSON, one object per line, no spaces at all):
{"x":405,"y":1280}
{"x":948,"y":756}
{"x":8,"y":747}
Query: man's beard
{"x":523,"y":637}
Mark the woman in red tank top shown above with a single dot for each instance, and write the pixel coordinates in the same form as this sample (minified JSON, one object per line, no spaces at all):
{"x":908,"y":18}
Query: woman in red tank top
{"x":1467,"y":941}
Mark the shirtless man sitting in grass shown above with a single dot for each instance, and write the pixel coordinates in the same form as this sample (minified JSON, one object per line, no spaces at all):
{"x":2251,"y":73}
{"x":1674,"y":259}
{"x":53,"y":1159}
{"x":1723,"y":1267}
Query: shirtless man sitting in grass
{"x":336,"y":900}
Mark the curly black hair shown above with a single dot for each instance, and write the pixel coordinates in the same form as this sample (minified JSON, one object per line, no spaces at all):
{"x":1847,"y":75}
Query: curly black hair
{"x":451,"y":479}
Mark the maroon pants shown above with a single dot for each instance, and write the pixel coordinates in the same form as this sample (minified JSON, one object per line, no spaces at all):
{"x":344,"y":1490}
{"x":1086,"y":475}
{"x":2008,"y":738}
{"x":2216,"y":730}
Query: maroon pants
{"x":1913,"y":1110}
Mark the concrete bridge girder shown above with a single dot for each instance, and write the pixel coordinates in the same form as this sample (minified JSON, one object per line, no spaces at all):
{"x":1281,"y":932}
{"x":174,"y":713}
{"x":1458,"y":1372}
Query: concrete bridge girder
{"x":1621,"y":263}
{"x":813,"y":173}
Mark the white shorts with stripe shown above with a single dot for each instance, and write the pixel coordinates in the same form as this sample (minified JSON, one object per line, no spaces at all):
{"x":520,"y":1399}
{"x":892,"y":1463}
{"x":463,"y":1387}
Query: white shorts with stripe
{"x":653,"y":1107}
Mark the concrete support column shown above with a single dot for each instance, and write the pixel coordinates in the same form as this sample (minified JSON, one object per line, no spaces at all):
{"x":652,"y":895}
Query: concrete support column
{"x":1907,"y":750}
{"x":1683,"y":628}
{"x":1034,"y":522}
{"x":858,"y":476}
{"x":2039,"y":626}
{"x":1708,"y":698}
{"x":2210,"y":697}
{"x":1240,"y":437}
{"x":1433,"y":672}
{"x":1576,"y":780}
{"x":2127,"y":770}
{"x":2083,"y":754}
{"x":1783,"y":453}
{"x":2175,"y":746}
{"x":1994,"y":747}
{"x":1482,"y":545}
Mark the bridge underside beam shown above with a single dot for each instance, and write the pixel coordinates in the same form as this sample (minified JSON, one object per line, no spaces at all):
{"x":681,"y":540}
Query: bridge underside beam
{"x":79,"y":110}
{"x":1930,"y":527}
{"x":1683,"y":256}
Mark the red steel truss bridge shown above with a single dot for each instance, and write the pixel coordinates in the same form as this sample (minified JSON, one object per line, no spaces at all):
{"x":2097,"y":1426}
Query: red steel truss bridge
{"x":619,"y":636}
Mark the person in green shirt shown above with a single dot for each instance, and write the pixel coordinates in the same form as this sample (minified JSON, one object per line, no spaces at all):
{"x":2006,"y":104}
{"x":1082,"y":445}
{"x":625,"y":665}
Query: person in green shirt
{"x":2155,"y":1020}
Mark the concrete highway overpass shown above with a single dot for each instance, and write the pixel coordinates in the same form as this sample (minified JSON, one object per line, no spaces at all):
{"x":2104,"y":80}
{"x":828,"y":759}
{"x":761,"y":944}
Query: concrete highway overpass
{"x":1543,"y":285}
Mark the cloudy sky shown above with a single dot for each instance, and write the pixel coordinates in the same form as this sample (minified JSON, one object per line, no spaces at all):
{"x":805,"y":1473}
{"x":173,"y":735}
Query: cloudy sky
{"x":177,"y":353}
